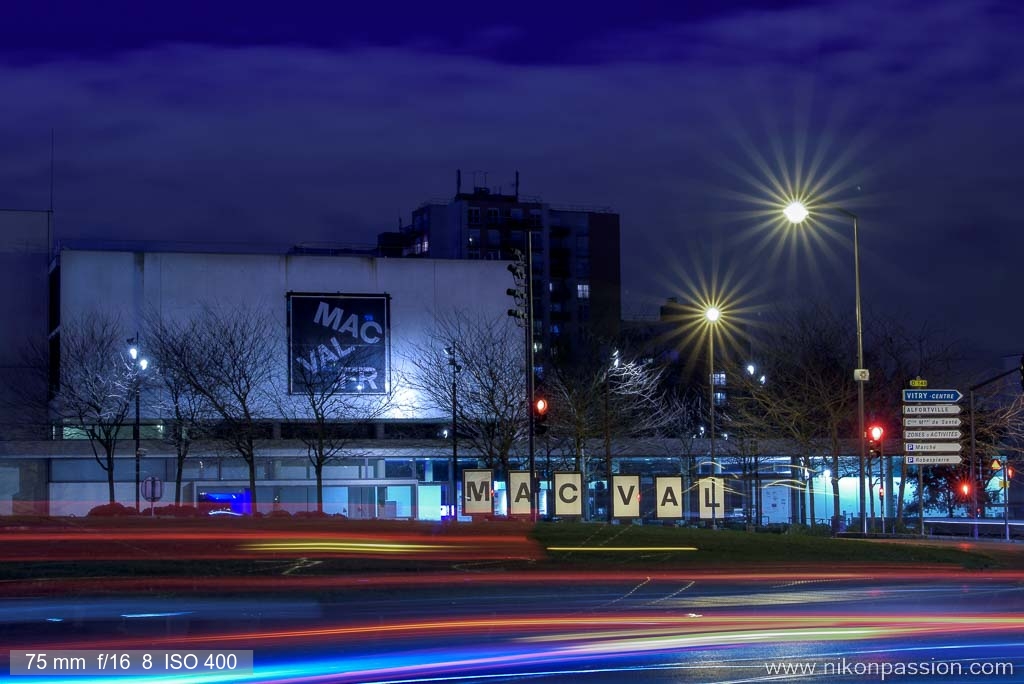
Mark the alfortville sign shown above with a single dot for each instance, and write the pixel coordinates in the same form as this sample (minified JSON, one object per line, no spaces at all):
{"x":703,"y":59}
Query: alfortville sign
{"x":338,"y":343}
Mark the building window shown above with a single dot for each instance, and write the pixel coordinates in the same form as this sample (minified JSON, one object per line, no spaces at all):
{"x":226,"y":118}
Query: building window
{"x":493,"y":237}
{"x":582,"y":290}
{"x":719,"y":378}
{"x":719,"y":398}
{"x":426,"y":244}
{"x":535,"y":219}
{"x":583,"y":267}
{"x":492,"y":215}
{"x":474,"y":216}
{"x":516,"y":213}
{"x":473,"y":254}
{"x":474,"y":237}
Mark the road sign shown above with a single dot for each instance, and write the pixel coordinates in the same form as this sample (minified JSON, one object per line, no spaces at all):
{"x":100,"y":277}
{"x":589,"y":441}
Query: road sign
{"x":932,"y":446}
{"x":152,"y":488}
{"x":931,"y":422}
{"x":932,"y":395}
{"x":931,"y":410}
{"x":931,"y":434}
{"x":936,"y":459}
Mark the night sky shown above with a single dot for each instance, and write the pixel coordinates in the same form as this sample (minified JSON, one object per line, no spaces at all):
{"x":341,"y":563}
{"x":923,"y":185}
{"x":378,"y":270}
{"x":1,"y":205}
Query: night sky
{"x":278,"y":123}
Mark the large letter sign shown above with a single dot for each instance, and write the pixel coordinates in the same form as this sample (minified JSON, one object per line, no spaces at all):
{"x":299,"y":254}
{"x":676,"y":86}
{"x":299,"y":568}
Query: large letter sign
{"x":569,"y":494}
{"x":668,"y":491}
{"x":477,"y":492}
{"x":626,"y":496}
{"x":520,"y":498}
{"x":338,"y":343}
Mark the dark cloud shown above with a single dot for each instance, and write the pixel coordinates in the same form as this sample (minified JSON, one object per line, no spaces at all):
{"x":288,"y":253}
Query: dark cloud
{"x":676,"y":117}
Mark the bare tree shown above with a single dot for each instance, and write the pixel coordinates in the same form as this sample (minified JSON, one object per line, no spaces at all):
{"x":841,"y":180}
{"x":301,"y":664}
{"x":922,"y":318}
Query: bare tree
{"x":809,"y":395}
{"x":897,"y":354}
{"x":187,"y":411}
{"x":95,"y":384}
{"x":230,"y":361}
{"x":326,"y":408}
{"x":602,"y":395}
{"x":491,"y":406}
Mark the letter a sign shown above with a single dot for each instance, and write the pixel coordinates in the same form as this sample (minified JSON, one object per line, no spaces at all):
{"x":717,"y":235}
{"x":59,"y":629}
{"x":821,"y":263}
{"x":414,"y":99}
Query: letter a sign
{"x":520,"y":498}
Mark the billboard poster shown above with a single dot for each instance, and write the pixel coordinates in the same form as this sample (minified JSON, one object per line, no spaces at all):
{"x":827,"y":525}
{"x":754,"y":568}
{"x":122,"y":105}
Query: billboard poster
{"x":339,"y":343}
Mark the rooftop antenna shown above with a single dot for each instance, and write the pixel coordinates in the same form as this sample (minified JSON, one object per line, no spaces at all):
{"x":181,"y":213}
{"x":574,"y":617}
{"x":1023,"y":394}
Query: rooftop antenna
{"x":49,"y":213}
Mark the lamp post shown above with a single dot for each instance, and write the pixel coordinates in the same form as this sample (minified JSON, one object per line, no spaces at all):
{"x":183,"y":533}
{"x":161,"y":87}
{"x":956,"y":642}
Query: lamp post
{"x":140,"y":365}
{"x":452,"y":498}
{"x":712,"y":314}
{"x":1005,"y":468}
{"x":796,"y":212}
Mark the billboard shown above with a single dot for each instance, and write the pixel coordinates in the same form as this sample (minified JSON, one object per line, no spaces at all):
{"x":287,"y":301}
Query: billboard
{"x":339,"y":343}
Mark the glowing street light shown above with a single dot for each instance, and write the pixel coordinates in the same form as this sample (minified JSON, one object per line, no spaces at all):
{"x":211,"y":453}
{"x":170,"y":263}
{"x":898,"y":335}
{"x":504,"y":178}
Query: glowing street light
{"x":142,"y":364}
{"x":796,"y":212}
{"x":712,"y":314}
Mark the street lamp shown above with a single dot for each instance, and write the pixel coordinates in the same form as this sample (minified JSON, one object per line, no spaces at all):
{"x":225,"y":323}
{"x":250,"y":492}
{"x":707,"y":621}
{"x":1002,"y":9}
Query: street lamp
{"x":796,"y":212}
{"x":141,"y":364}
{"x":452,"y":499}
{"x":712,"y":314}
{"x":1006,"y":472}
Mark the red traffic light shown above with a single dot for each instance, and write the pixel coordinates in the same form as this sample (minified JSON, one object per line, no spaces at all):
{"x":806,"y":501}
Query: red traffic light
{"x":875,"y":432}
{"x":965,"y":489}
{"x":540,"y":406}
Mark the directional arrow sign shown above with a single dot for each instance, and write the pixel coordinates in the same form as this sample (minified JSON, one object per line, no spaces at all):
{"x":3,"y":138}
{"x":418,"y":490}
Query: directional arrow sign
{"x":931,"y":422}
{"x":932,"y":395}
{"x":934,"y":409}
{"x":931,"y":434}
{"x":938,"y":459}
{"x":932,"y":446}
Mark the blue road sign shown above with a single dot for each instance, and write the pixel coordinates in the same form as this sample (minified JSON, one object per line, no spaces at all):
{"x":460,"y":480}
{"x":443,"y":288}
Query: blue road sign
{"x":932,"y":395}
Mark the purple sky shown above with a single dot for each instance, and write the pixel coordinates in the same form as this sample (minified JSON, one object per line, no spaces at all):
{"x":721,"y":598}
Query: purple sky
{"x":262,"y":123}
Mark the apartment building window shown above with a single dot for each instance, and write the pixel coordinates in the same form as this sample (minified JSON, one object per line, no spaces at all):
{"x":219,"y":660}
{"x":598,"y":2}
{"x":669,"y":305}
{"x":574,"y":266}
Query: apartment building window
{"x":583,"y":267}
{"x":492,"y":215}
{"x":582,"y":290}
{"x":493,"y":237}
{"x":516,"y":213}
{"x":535,"y":219}
{"x":719,"y":378}
{"x":473,"y":237}
{"x":474,"y":216}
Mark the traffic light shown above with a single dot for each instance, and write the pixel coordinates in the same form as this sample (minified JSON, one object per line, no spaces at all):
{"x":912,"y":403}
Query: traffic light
{"x":965,"y":489}
{"x":881,"y":493}
{"x":540,"y":415}
{"x":875,"y":433}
